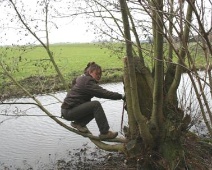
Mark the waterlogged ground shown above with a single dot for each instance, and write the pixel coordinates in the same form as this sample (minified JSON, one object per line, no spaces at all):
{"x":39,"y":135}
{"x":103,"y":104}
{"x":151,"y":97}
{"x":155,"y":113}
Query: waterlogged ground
{"x":97,"y":159}
{"x":89,"y":158}
{"x":85,"y":158}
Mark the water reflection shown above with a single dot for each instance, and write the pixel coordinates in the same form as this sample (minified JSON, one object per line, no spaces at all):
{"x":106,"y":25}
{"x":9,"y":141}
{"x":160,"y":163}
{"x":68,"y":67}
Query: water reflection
{"x":35,"y":140}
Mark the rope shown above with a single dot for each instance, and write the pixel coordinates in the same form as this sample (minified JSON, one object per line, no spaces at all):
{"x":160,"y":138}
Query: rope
{"x":122,"y":117}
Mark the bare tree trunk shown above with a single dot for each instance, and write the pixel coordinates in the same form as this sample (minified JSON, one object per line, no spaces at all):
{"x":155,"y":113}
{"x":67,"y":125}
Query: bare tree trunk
{"x":140,"y":119}
{"x":157,"y":109}
{"x":171,"y":96}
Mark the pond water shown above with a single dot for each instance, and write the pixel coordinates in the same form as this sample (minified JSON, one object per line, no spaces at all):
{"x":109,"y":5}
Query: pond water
{"x":34,"y":141}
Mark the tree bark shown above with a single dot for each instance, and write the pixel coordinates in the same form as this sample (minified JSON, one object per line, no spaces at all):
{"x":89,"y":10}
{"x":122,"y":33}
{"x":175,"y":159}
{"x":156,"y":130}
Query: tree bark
{"x":140,"y":119}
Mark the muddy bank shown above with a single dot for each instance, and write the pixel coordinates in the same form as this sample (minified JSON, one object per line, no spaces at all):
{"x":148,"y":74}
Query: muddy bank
{"x":49,"y":84}
{"x":89,"y":159}
{"x":96,"y":160}
{"x":84,"y":158}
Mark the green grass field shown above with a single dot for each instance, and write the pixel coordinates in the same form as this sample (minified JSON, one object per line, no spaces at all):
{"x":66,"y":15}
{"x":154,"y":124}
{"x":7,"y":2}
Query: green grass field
{"x":70,"y":58}
{"x":32,"y":61}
